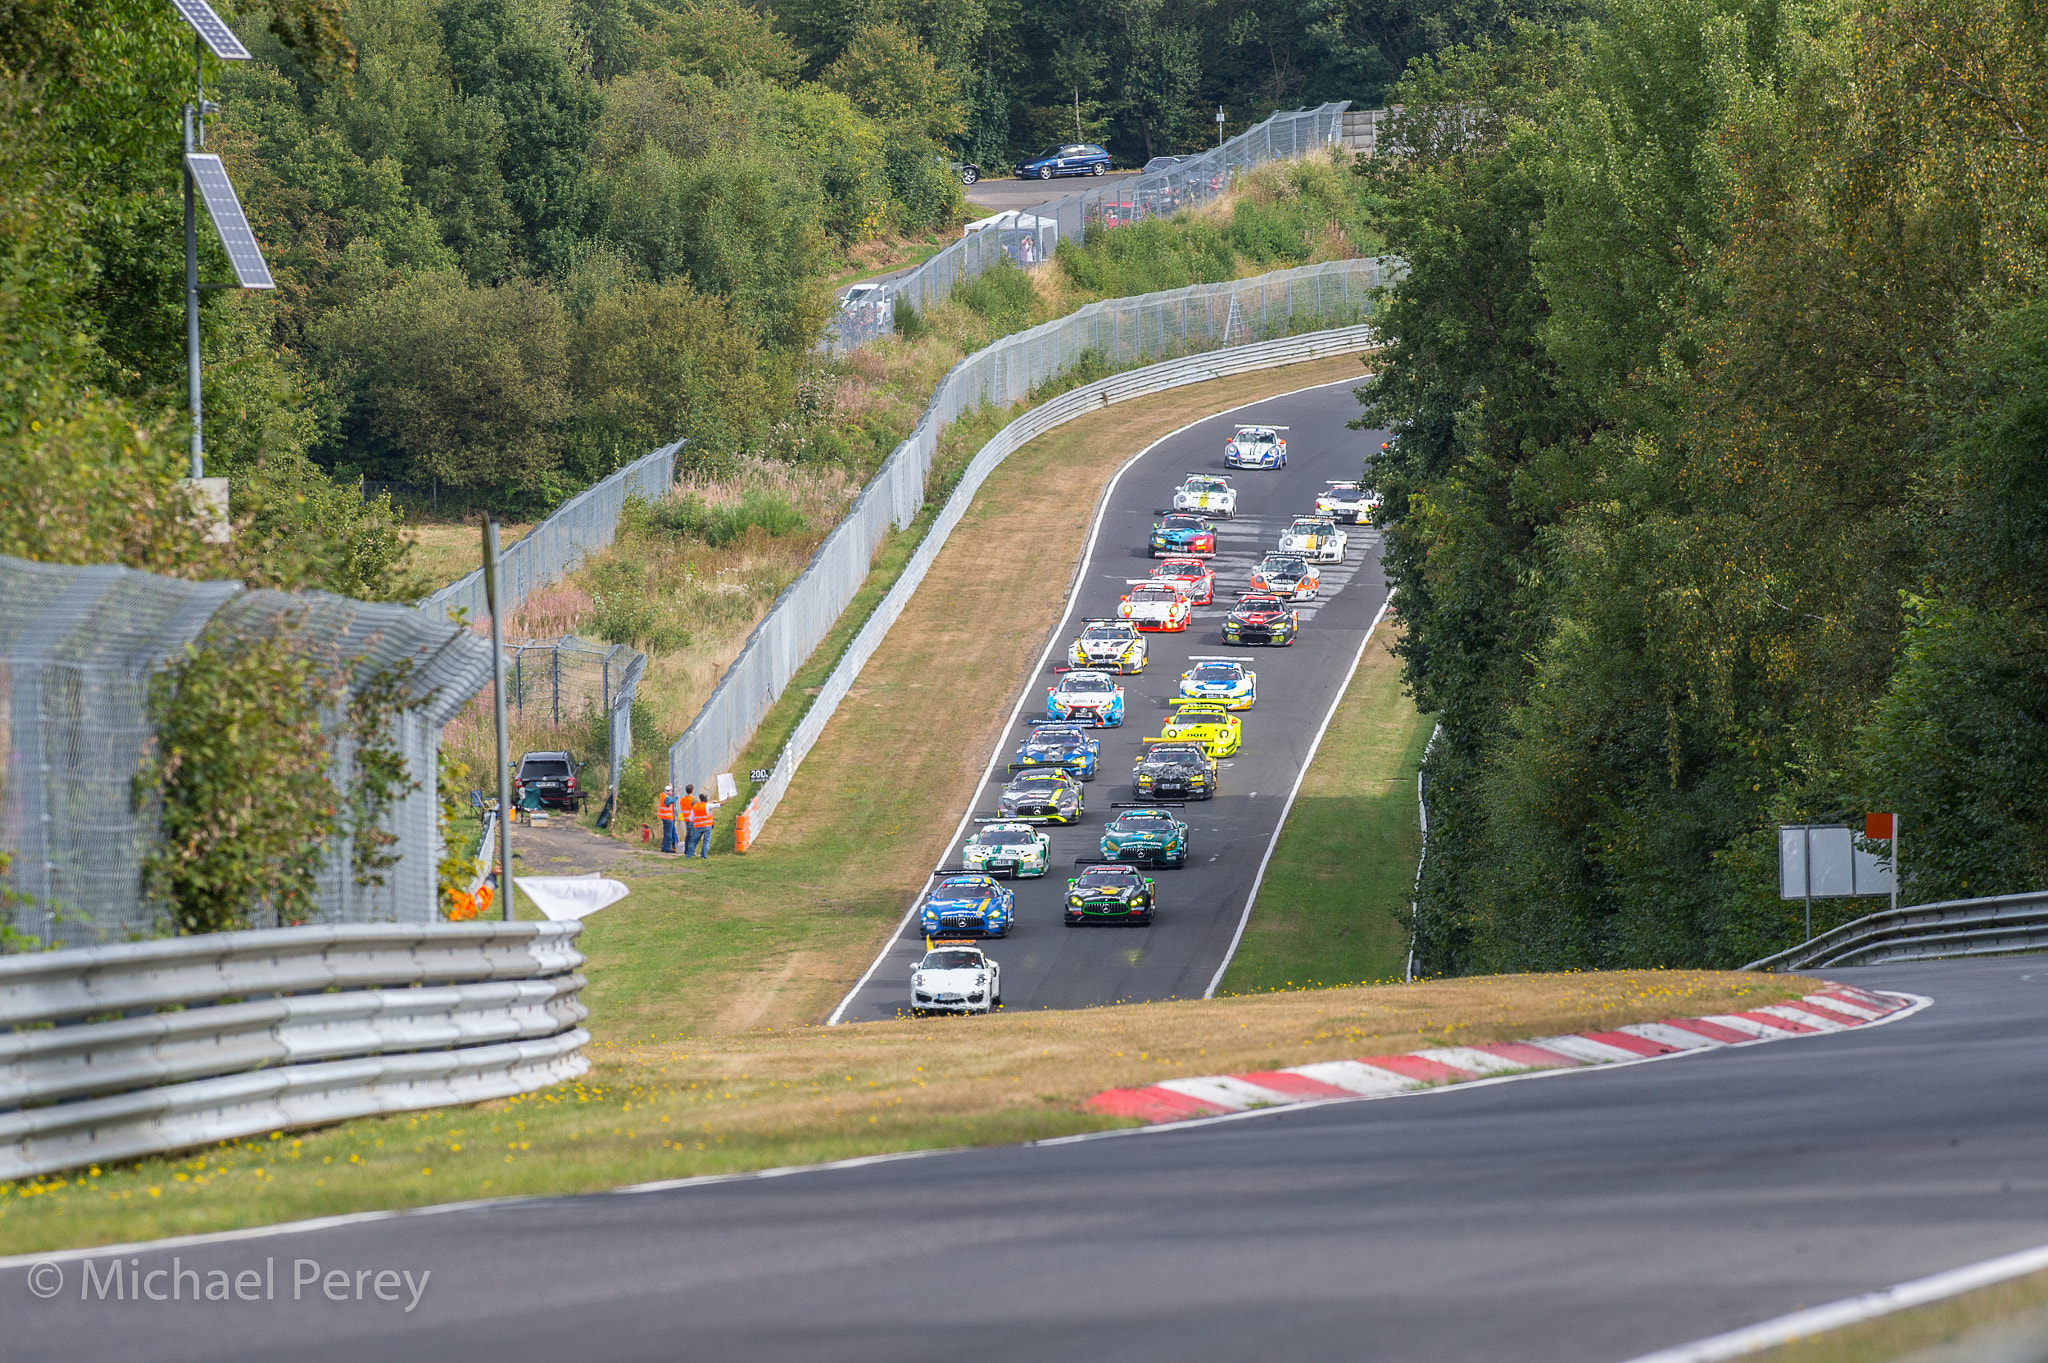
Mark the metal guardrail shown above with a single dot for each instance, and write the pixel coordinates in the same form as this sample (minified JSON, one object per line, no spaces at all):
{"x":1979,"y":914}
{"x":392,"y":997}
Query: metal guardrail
{"x":1156,"y":378}
{"x":2001,"y":925}
{"x":131,"y":1050}
{"x":1032,"y":235}
{"x":1202,"y":319}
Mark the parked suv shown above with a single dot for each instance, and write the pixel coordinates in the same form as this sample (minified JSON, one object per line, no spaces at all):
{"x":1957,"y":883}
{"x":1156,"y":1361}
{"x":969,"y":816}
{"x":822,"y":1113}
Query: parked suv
{"x":552,"y":777}
{"x":1075,"y":158}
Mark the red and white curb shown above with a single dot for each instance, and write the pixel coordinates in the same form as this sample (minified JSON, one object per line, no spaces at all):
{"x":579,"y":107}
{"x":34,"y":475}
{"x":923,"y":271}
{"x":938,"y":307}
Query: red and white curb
{"x":1834,"y":1009}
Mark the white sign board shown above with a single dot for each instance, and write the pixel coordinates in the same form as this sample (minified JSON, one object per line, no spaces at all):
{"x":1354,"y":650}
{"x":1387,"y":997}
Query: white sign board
{"x":1822,"y":861}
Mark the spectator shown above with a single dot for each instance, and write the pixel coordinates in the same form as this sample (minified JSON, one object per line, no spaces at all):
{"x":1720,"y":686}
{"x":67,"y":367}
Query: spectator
{"x":699,"y":836}
{"x":665,"y":810}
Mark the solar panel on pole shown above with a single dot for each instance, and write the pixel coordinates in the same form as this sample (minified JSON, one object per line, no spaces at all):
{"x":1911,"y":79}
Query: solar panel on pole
{"x":226,"y":211}
{"x":218,"y":37}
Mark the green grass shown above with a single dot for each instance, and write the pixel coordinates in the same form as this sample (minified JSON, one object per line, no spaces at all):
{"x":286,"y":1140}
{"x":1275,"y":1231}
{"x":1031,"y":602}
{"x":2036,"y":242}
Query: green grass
{"x":1334,"y":905}
{"x":2005,"y":1321}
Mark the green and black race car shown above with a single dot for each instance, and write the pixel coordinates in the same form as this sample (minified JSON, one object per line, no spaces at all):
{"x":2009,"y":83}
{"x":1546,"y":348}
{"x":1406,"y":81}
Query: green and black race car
{"x":1111,"y":894}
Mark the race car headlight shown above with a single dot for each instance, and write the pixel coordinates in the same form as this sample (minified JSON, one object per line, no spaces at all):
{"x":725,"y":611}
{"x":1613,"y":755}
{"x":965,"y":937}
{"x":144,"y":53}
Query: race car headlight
{"x":1074,"y":901}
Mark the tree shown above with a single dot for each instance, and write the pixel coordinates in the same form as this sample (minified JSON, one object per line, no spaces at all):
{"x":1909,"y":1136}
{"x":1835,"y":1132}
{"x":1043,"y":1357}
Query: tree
{"x":466,"y":383}
{"x":889,"y":76}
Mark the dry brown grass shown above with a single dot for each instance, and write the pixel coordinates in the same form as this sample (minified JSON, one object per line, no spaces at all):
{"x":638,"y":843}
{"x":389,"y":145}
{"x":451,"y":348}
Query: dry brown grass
{"x":447,"y":551}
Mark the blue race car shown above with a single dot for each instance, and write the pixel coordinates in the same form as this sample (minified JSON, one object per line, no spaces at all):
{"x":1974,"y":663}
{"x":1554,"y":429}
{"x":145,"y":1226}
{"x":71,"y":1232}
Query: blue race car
{"x":1183,"y":534}
{"x":969,"y":903}
{"x":1086,"y":697}
{"x":1062,"y":747}
{"x":1146,"y":837}
{"x":1221,"y":679}
{"x":1075,"y":158}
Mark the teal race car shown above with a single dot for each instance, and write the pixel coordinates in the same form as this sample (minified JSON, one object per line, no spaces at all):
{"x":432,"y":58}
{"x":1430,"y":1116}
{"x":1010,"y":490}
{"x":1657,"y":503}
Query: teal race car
{"x":1146,"y":837}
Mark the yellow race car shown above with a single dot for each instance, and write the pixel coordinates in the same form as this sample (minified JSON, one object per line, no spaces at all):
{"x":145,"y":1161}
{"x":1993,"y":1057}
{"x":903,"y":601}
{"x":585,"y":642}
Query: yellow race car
{"x":1206,"y":722}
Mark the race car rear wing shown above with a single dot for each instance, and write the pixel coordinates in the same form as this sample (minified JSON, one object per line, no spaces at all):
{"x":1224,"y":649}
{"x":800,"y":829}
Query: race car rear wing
{"x":1148,"y":804}
{"x":1006,"y":873}
{"x":1152,"y":861}
{"x":1219,"y":658}
{"x":1059,"y":765}
{"x":1014,"y":818}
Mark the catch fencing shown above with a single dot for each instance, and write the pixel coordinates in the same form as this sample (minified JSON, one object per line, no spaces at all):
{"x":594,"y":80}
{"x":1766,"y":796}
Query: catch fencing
{"x":109,"y":1053}
{"x":1121,"y":332}
{"x":568,"y":681}
{"x":1032,"y":235}
{"x":1156,"y":378}
{"x":548,"y":552}
{"x":80,"y":646}
{"x":2002,"y":925}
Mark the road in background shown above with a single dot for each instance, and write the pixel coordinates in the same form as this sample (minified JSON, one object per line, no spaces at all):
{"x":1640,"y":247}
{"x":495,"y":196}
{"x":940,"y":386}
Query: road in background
{"x":1583,"y":1218}
{"x":997,"y":191}
{"x":1049,"y":965}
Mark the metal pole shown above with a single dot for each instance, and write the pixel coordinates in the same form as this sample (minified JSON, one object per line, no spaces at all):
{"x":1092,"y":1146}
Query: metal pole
{"x":491,"y":595}
{"x":1806,"y":863}
{"x":192,"y":401}
{"x":1898,"y":841}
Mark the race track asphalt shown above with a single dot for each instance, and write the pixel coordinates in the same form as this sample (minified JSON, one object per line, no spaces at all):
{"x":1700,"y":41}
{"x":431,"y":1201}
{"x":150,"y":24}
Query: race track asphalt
{"x":1045,"y":964}
{"x":1582,"y":1218}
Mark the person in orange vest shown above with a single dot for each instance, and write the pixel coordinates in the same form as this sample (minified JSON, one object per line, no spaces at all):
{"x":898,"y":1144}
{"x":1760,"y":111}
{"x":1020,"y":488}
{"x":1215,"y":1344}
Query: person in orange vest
{"x":698,"y":839}
{"x":665,"y":810}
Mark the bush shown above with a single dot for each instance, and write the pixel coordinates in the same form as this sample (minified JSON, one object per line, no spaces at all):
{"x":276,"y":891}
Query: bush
{"x":721,"y":525}
{"x":1003,"y":294}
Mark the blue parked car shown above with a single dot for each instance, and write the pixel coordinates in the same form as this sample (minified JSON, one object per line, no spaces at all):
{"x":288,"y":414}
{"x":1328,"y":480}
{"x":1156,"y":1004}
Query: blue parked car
{"x":1076,"y":158}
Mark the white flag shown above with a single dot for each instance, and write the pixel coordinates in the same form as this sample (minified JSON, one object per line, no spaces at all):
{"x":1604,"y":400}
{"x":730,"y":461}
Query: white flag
{"x":564,"y":897}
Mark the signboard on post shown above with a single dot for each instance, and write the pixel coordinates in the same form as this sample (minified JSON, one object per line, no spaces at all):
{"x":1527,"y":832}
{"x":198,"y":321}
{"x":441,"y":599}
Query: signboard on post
{"x":1822,"y":861}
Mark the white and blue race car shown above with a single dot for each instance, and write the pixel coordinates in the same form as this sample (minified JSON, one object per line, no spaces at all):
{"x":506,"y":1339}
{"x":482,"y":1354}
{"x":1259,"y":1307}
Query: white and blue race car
{"x":1086,"y":697}
{"x":1224,"y":679}
{"x":969,"y":903}
{"x":1256,"y":447}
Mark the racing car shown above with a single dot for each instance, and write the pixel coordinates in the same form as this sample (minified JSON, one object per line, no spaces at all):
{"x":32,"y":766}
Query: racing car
{"x":1226,"y":680}
{"x":1111,"y":645}
{"x":1196,"y":579}
{"x":1110,"y":894}
{"x":1174,"y":771}
{"x":1348,"y":503}
{"x":1062,"y":747}
{"x":1206,"y":492}
{"x":1316,"y":539}
{"x":1015,"y":849}
{"x":955,"y":977}
{"x":1155,"y":604}
{"x":1041,"y":797}
{"x":1146,"y":837}
{"x":1256,"y":447}
{"x":1287,"y":575}
{"x":1183,"y":533}
{"x":1086,"y":696}
{"x":1206,"y":722}
{"x":969,"y":903}
{"x":1260,"y":618}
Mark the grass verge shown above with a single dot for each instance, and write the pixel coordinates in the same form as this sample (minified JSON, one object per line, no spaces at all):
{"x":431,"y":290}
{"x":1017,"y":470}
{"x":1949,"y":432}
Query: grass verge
{"x":661,"y":1103}
{"x":1334,"y":904}
{"x":2006,"y":1321}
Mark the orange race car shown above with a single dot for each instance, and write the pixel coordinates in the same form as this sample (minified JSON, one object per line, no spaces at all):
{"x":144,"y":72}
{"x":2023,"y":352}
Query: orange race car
{"x":1196,"y":579}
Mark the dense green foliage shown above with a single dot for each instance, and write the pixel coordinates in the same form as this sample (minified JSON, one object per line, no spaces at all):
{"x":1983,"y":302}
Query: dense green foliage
{"x":1721,"y":395}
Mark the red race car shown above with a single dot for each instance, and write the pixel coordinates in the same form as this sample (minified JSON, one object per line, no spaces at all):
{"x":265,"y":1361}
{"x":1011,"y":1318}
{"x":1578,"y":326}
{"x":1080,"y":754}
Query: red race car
{"x":1196,"y":579}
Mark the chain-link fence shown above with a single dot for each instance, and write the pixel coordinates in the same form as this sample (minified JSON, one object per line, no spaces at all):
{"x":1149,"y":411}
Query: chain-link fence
{"x":1032,"y":235}
{"x":80,"y":645}
{"x":1121,"y":332}
{"x":578,"y":527}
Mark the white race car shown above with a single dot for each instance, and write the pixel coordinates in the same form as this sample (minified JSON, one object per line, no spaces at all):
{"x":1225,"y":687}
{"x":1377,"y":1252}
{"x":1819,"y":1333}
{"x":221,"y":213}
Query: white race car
{"x":1206,"y":492}
{"x":1111,"y":645}
{"x":1349,"y":503}
{"x":955,"y":978}
{"x":1009,"y":848}
{"x":1156,"y":603}
{"x":1256,"y":447}
{"x":1316,"y":539}
{"x":1222,"y":679}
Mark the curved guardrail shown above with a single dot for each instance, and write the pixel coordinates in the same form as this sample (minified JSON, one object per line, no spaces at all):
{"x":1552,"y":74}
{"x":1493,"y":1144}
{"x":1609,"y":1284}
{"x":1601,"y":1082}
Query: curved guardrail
{"x":1154,"y":378}
{"x":130,"y":1050}
{"x":2001,"y":925}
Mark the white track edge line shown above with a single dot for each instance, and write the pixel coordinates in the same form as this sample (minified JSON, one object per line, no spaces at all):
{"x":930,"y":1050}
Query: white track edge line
{"x":1280,"y":826}
{"x":1052,"y":641}
{"x":1919,"y":1002}
{"x":1836,"y":1315}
